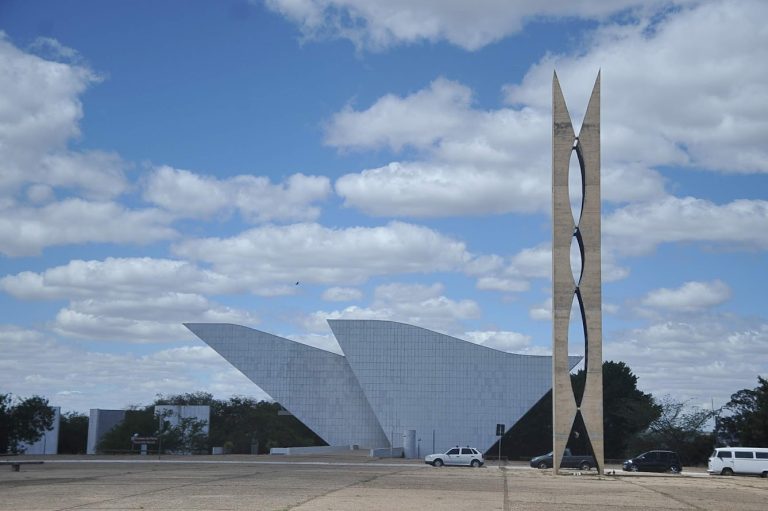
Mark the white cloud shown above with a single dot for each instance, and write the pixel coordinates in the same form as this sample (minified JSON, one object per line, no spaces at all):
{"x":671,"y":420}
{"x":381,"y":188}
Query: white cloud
{"x":473,"y":162}
{"x":28,"y":230}
{"x":638,"y":228}
{"x":143,"y":319}
{"x":34,"y":363}
{"x":691,"y":296}
{"x":342,"y":294}
{"x":681,"y":90}
{"x":502,"y":284}
{"x":415,"y":304}
{"x":432,"y":113}
{"x":117,"y":277}
{"x":708,"y":357}
{"x":512,"y":342}
{"x":39,"y":115}
{"x":139,"y":300}
{"x":271,"y":255}
{"x":376,"y":25}
{"x":542,"y":311}
{"x":191,"y":195}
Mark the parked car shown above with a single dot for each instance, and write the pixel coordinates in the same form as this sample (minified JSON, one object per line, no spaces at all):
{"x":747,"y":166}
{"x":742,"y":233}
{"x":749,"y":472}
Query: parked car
{"x":654,"y":461}
{"x":728,"y":461}
{"x":570,"y":460}
{"x":468,"y":456}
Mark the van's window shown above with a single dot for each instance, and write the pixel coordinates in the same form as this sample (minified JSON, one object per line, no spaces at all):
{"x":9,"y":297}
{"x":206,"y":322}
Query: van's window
{"x":466,"y":451}
{"x":724,"y":454}
{"x":742,"y":454}
{"x":453,"y":451}
{"x":762,"y":455}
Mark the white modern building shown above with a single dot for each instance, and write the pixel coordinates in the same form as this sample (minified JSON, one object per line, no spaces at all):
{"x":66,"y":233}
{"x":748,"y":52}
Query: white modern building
{"x":392,"y":379}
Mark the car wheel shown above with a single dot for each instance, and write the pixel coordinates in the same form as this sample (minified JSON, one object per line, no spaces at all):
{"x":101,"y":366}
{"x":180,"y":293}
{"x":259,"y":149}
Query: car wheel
{"x":674,"y":469}
{"x":585,"y":465}
{"x":764,"y":475}
{"x":633,"y":468}
{"x":543,"y":465}
{"x":727,"y":472}
{"x":437,"y":463}
{"x":475,"y":463}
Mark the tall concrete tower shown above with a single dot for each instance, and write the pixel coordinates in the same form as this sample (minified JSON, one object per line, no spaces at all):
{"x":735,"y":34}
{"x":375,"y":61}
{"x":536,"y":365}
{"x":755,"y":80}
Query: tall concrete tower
{"x":567,"y":285}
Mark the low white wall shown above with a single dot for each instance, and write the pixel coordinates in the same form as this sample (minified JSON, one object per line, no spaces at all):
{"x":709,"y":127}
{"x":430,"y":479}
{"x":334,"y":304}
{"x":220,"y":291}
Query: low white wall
{"x":324,"y":449}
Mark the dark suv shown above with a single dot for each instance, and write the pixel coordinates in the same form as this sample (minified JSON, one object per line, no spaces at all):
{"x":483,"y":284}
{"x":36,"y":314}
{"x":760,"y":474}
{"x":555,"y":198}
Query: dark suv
{"x":655,"y":461}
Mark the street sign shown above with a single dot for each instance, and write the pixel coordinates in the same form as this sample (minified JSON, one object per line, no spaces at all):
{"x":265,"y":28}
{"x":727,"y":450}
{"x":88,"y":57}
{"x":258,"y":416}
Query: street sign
{"x":499,"y":429}
{"x":144,"y":440}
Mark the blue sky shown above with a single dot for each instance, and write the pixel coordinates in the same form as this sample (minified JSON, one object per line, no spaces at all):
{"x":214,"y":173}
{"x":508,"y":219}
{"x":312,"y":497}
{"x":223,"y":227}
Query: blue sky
{"x":163,"y":162}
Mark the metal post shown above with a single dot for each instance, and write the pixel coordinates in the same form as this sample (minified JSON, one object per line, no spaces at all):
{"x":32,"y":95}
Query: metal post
{"x":502,"y":436}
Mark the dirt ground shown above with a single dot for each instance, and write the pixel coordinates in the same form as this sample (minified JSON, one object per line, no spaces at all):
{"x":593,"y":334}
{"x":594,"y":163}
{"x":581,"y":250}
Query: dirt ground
{"x":353,"y":483}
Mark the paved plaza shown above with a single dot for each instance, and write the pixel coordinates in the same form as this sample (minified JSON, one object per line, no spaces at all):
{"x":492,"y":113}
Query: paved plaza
{"x":353,"y":483}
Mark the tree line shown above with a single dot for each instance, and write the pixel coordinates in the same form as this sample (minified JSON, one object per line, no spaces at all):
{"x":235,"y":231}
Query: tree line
{"x":634,"y":421}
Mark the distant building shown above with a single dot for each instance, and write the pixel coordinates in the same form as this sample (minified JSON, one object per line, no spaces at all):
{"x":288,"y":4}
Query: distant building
{"x":49,"y":442}
{"x":392,"y":379}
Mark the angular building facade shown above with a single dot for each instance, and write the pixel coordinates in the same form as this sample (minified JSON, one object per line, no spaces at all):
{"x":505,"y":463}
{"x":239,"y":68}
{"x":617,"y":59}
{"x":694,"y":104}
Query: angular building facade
{"x":392,"y":378}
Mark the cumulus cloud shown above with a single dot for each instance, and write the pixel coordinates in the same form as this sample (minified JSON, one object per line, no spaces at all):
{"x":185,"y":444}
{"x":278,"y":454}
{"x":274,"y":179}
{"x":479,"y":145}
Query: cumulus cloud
{"x":139,"y":300}
{"x":691,"y":296}
{"x":101,"y":379}
{"x":191,"y":195}
{"x":148,"y":319}
{"x":115,"y":278}
{"x":28,"y":230}
{"x":472,"y":161}
{"x":313,"y":253}
{"x":374,"y":25}
{"x":678,"y":89}
{"x":40,"y":115}
{"x":416,"y":304}
{"x":342,"y":294}
{"x":512,"y":342}
{"x":638,"y":228}
{"x":682,"y":89}
{"x":704,"y":358}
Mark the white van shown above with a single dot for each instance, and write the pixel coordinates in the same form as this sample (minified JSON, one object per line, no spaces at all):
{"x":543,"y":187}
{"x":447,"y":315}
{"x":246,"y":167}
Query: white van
{"x":739,"y":460}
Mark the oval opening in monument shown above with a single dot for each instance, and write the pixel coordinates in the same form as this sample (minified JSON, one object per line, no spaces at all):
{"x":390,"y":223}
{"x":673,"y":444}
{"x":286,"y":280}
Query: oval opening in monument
{"x":576,"y":347}
{"x":576,"y":258}
{"x":575,"y":186}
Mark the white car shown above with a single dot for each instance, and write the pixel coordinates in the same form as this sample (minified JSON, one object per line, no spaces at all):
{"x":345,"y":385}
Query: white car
{"x":467,"y":456}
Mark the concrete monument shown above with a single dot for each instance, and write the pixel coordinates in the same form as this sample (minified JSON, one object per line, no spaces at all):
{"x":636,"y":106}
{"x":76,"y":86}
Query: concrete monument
{"x":585,"y":287}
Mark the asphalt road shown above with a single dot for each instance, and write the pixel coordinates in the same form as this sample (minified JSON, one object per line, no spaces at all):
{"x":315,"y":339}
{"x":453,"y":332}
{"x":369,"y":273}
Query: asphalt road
{"x":353,"y":483}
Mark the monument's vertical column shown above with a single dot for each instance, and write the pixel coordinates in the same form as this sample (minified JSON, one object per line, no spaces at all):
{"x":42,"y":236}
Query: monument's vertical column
{"x":587,"y":291}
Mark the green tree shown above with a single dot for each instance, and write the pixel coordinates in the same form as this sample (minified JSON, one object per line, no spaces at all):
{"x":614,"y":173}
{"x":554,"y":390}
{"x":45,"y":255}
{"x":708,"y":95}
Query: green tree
{"x":138,"y":421}
{"x":747,"y":415}
{"x":23,"y":421}
{"x":73,"y":433}
{"x":187,"y":436}
{"x":626,"y":411}
{"x":242,"y":423}
{"x":679,"y":428}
